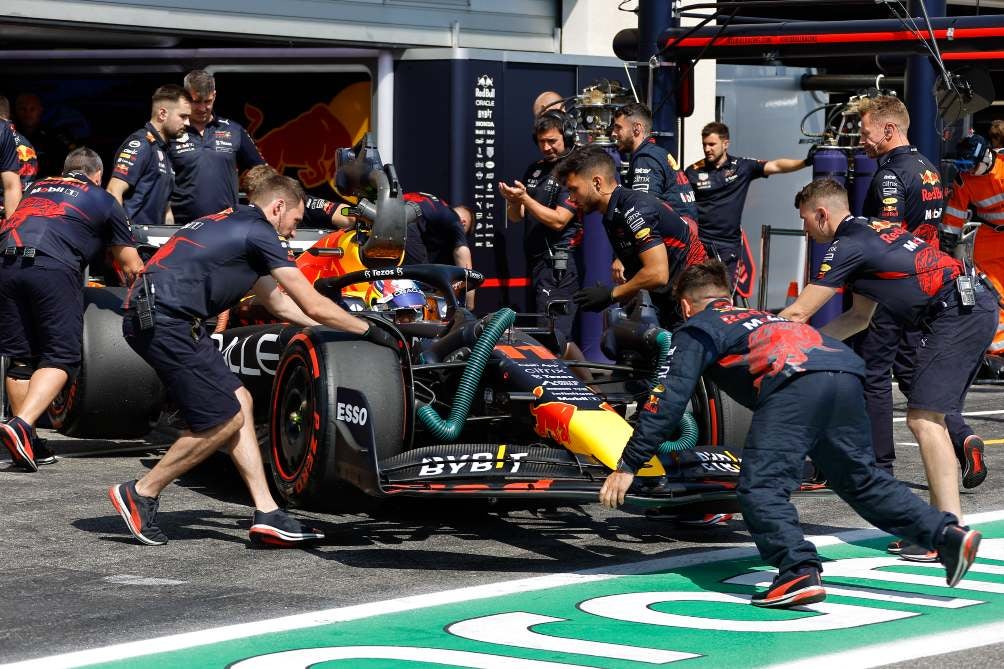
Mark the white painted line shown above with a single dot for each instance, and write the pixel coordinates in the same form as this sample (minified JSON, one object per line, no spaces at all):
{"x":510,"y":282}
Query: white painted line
{"x":359,"y":611}
{"x":988,"y":412}
{"x":130,"y":579}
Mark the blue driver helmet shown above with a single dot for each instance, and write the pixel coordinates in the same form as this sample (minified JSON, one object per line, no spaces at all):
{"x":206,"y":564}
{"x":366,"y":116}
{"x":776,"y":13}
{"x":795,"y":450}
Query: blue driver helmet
{"x":974,"y":155}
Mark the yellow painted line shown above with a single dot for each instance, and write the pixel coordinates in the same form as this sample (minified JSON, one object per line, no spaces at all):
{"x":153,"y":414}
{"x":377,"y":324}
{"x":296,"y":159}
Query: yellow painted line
{"x":993,"y":441}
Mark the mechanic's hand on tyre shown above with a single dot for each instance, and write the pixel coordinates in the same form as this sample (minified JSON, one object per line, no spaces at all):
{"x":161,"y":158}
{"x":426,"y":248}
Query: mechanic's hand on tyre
{"x":595,"y":298}
{"x":614,"y":488}
{"x":378,"y":335}
{"x":617,"y":272}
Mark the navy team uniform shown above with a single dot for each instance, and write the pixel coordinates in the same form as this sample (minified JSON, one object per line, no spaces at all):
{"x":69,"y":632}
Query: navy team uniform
{"x":317,"y":212}
{"x":915,"y":283}
{"x":8,"y":153}
{"x":61,"y":224}
{"x":435,"y":234}
{"x":205,"y":168}
{"x":142,"y":163}
{"x":906,"y":191}
{"x":205,"y":268}
{"x":721,"y":196}
{"x":636,"y":222}
{"x":551,"y":262}
{"x":805,"y":392}
{"x":651,"y":169}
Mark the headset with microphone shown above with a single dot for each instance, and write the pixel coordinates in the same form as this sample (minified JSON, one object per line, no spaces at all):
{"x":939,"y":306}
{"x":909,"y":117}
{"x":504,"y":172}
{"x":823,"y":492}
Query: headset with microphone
{"x":567,"y":125}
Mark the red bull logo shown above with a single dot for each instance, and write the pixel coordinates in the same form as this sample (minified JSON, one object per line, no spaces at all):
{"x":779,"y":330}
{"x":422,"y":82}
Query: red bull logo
{"x":553,"y":419}
{"x":775,"y":347}
{"x":309,"y":141}
{"x":26,"y":153}
{"x":929,"y":178}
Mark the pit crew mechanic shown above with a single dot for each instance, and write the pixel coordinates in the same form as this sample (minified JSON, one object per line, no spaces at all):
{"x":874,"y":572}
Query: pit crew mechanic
{"x":980,"y":187}
{"x":720,"y":184}
{"x":552,"y":229}
{"x":885,"y":264}
{"x":27,"y":158}
{"x":206,"y":158}
{"x":805,"y":392}
{"x":205,"y":267}
{"x":55,"y":232}
{"x":651,"y":168}
{"x":436,"y":235}
{"x":653,"y":243}
{"x":906,"y":190}
{"x":143,"y":178}
{"x":9,"y":168}
{"x":317,"y":212}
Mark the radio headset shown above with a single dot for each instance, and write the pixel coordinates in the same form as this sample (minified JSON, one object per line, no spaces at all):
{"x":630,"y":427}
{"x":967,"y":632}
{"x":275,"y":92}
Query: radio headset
{"x":567,"y":125}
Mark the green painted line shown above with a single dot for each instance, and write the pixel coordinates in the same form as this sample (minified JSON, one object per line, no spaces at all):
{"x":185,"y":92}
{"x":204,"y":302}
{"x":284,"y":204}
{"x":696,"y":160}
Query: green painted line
{"x":691,"y":614}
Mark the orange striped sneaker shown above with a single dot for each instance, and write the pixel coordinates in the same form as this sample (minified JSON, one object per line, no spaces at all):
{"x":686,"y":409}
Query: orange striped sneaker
{"x":792,"y":589}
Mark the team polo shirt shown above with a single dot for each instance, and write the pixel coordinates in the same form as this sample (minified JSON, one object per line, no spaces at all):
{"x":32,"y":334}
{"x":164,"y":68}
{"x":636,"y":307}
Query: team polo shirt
{"x":721,"y":196}
{"x":206,"y":165}
{"x":885,"y":263}
{"x":435,"y":234}
{"x":539,"y":241}
{"x":907,"y":190}
{"x":317,"y":212}
{"x":142,"y":162}
{"x":651,"y":169}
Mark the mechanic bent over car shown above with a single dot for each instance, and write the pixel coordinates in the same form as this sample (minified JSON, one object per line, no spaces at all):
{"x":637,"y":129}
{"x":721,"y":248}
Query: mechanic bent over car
{"x":652,"y":242}
{"x":920,"y":287}
{"x":206,"y":267}
{"x":805,"y":392}
{"x":57,"y":229}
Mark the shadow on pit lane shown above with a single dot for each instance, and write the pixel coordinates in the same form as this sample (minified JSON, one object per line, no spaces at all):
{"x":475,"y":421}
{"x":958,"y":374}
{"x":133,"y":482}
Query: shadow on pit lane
{"x":177,"y":525}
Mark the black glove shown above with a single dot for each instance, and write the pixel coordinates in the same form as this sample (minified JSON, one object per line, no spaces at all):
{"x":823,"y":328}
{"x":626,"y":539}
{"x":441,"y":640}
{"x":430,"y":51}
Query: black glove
{"x":596,"y":298}
{"x":948,"y":241}
{"x":379,"y":336}
{"x":811,"y":155}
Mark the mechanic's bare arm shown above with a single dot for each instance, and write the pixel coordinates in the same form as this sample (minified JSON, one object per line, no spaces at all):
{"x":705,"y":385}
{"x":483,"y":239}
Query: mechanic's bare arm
{"x":340,"y":220}
{"x":279,"y":304}
{"x":809,"y":301}
{"x":513,"y":203}
{"x":617,"y":271}
{"x":169,"y":216}
{"x":128,"y":259}
{"x":654,"y":273}
{"x":315,"y":305}
{"x":783,"y":165}
{"x":118,"y":188}
{"x":462,"y":258}
{"x":11,"y":192}
{"x":556,"y":218}
{"x":852,"y":321}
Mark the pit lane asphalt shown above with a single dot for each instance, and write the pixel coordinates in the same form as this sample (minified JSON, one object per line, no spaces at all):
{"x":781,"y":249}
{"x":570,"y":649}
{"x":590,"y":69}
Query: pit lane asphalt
{"x":74,"y":579}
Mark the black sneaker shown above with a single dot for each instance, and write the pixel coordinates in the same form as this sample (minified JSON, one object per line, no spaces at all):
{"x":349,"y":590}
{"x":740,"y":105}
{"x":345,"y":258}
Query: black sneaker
{"x":958,"y":552}
{"x":896,"y":547}
{"x":277,"y":528}
{"x":16,"y":435}
{"x":792,"y":589}
{"x":974,"y":468}
{"x":138,"y":512}
{"x":44,"y":454}
{"x":916,"y":553}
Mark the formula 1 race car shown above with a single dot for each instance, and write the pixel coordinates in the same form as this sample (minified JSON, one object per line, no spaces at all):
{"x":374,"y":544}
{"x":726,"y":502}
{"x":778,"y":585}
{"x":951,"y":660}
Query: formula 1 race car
{"x":465,"y":407}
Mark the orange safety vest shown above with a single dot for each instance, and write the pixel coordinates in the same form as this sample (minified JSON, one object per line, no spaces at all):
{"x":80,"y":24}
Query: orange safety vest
{"x":985,"y":194}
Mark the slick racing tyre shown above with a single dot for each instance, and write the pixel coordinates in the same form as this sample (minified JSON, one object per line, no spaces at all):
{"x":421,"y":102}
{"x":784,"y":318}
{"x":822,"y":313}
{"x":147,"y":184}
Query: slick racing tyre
{"x":115,"y":394}
{"x":721,"y":420}
{"x":336,"y":402}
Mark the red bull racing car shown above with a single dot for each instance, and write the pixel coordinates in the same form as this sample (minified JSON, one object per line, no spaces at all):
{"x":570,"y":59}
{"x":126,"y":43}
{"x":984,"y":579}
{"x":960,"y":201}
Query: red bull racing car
{"x":466,"y":407}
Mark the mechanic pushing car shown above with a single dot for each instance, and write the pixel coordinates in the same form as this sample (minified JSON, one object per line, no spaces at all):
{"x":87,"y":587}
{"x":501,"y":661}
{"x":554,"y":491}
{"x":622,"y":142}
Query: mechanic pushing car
{"x":805,"y":391}
{"x":551,"y":229}
{"x":906,"y":190}
{"x":58,"y":228}
{"x":651,"y":241}
{"x":980,"y":186}
{"x":206,"y":267}
{"x":921,"y":288}
{"x":143,"y":178}
{"x":9,"y":169}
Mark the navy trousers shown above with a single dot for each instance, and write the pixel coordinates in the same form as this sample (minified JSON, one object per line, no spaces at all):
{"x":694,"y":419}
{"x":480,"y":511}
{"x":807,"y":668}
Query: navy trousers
{"x":822,"y":415}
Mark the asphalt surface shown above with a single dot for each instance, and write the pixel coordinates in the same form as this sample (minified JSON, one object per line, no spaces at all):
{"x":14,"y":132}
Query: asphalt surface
{"x":74,"y":579}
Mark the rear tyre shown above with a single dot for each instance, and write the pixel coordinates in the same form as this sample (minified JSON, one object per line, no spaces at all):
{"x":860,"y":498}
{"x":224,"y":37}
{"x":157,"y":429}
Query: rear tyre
{"x":313,"y":448}
{"x":722,"y":420}
{"x":115,"y":394}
